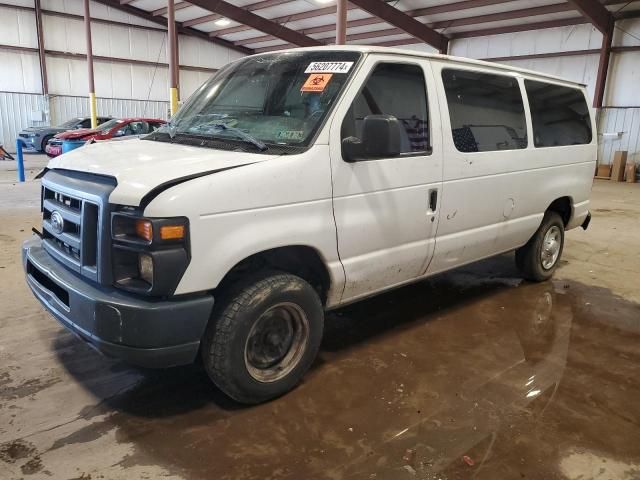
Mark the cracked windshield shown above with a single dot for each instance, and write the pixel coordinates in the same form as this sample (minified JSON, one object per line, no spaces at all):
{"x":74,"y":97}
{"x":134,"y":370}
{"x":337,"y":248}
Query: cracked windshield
{"x":276,"y":99}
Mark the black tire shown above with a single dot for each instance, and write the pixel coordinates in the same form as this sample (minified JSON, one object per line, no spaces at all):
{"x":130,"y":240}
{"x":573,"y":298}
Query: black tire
{"x":529,"y":257}
{"x":267,"y":299}
{"x":44,"y":142}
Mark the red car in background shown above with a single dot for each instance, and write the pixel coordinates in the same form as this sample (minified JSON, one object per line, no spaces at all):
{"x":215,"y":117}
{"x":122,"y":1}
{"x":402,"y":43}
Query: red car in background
{"x":125,"y":127}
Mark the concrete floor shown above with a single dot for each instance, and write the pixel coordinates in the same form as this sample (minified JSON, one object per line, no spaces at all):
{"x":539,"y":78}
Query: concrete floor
{"x":472,"y":374}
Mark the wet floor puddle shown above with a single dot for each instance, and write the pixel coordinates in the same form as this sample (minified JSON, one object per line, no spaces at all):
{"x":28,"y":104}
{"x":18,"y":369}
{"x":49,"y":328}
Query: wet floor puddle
{"x":472,"y":374}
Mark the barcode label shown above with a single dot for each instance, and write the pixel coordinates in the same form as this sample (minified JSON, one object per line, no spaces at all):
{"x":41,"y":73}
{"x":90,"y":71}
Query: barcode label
{"x":329,"y":67}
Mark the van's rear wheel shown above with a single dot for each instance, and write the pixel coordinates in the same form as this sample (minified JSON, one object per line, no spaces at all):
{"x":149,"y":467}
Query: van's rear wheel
{"x":538,"y":259}
{"x":263,"y":337}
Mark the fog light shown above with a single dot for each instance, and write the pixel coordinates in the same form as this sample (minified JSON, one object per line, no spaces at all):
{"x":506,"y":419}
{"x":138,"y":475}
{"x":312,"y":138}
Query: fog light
{"x":145,"y":268}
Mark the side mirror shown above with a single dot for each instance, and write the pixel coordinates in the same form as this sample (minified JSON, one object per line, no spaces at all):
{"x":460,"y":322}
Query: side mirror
{"x":120,"y":133}
{"x":381,"y":136}
{"x":352,"y":149}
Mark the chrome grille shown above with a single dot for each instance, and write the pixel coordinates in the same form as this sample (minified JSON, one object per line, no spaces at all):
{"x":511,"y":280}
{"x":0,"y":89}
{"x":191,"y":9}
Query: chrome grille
{"x":77,"y":235}
{"x":77,"y":241}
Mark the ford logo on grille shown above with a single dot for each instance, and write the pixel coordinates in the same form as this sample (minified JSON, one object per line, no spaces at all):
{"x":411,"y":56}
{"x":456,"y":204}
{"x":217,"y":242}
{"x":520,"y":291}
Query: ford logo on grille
{"x":57,"y":222}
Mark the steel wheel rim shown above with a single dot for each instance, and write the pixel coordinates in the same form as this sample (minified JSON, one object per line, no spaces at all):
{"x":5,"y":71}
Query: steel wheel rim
{"x":551,"y":247}
{"x":276,"y":342}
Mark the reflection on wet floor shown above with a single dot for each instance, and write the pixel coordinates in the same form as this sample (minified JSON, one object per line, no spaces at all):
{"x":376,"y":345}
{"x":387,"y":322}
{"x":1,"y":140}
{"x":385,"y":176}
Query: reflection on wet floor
{"x":472,"y":374}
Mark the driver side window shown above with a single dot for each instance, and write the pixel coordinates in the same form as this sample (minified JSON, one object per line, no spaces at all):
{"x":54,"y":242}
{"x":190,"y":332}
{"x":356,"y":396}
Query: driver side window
{"x":398,"y":90}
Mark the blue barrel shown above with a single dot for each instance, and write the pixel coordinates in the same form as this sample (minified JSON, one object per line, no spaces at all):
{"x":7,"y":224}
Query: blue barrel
{"x":69,"y":145}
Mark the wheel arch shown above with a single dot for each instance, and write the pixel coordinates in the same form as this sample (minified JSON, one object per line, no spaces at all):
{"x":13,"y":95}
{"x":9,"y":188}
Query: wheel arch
{"x":563,"y":206}
{"x":301,"y":260}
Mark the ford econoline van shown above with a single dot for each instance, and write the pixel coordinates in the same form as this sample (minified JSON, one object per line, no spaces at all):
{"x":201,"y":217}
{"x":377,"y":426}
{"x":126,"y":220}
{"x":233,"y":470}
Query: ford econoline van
{"x":299,"y":181}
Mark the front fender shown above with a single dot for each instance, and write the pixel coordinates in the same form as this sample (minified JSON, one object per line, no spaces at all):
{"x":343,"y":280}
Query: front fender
{"x":237,"y":213}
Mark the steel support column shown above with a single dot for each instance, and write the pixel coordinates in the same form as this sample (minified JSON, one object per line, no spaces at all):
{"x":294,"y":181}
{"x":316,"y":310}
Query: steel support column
{"x":172,"y":42}
{"x":43,"y":63}
{"x":341,"y":22}
{"x":44,"y":81}
{"x":603,"y":67}
{"x":177,"y":52}
{"x":92,"y":87}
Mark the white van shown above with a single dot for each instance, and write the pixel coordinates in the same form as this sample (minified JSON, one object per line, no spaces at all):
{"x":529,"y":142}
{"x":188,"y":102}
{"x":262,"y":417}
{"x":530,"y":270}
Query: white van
{"x":299,"y":181}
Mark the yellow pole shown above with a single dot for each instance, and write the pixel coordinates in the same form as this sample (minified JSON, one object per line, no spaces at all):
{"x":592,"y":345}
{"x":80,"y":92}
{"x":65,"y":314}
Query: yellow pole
{"x":173,"y":95}
{"x":93,"y":109}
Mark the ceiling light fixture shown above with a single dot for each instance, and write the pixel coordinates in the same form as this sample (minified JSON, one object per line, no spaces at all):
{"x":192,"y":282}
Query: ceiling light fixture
{"x":223,"y":22}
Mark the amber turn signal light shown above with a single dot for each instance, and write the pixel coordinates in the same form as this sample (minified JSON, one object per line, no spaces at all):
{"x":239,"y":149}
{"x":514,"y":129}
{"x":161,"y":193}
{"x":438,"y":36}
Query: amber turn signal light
{"x":172,"y":232}
{"x":144,"y":229}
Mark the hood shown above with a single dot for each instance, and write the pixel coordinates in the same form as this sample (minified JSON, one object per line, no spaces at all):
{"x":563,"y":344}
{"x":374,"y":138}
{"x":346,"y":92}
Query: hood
{"x":79,"y":133}
{"x":139,"y":166}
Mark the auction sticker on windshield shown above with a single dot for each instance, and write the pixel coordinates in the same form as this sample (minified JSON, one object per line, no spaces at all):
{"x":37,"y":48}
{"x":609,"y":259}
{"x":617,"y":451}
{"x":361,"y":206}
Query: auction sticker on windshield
{"x":316,"y":82}
{"x":329,"y":67}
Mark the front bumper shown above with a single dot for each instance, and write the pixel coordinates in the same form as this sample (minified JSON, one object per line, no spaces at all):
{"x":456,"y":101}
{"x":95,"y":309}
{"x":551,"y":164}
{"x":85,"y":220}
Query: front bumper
{"x":53,"y":150}
{"x":146,"y":332}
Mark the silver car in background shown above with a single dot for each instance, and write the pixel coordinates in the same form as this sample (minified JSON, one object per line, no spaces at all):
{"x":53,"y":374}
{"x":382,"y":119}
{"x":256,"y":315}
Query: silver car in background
{"x":36,"y":138}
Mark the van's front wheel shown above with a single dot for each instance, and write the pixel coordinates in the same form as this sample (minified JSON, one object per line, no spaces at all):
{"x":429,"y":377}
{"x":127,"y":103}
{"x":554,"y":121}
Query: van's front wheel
{"x":263,"y":337}
{"x":538,"y":259}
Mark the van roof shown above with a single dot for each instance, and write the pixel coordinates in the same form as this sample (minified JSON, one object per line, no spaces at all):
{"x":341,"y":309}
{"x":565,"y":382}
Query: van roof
{"x":438,"y":56}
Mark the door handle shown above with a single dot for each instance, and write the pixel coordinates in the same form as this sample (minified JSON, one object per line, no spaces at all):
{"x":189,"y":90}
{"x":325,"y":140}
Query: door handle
{"x":433,"y":200}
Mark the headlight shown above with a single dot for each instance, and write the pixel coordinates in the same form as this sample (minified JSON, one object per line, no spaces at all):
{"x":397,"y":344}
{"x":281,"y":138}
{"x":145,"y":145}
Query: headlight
{"x":133,"y":229}
{"x":149,"y":255}
{"x":144,"y":229}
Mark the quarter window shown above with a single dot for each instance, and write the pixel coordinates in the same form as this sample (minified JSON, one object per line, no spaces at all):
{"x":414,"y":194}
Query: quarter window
{"x":560,"y":115}
{"x":486,"y":111}
{"x":398,"y":90}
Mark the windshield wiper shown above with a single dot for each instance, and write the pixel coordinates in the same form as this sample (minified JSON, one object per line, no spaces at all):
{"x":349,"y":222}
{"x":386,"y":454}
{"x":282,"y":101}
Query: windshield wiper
{"x":243,"y":135}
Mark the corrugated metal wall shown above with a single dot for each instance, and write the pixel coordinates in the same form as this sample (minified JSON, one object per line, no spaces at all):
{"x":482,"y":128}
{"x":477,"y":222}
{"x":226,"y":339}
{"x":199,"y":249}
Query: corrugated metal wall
{"x":22,"y":110}
{"x":16,"y":113}
{"x":614,"y":120}
{"x":65,"y":107}
{"x":122,"y":88}
{"x":68,"y":76}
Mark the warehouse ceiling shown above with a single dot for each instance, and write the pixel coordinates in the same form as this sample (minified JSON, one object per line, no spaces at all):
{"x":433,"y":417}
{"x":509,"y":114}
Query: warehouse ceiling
{"x":312,"y":22}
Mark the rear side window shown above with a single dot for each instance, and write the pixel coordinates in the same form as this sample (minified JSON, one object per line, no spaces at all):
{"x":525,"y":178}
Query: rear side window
{"x":137,"y":128}
{"x":486,"y":111}
{"x":560,"y":115}
{"x":398,"y":90}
